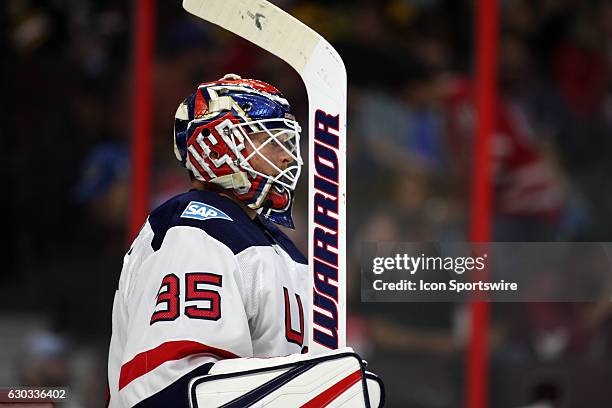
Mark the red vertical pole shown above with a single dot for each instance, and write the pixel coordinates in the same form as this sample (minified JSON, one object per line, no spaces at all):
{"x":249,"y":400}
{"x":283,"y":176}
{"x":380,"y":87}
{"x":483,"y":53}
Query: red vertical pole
{"x":477,"y":395}
{"x":144,"y":18}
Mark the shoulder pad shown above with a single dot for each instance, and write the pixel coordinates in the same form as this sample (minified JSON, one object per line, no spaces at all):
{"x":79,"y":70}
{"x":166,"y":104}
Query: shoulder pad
{"x":211,"y":212}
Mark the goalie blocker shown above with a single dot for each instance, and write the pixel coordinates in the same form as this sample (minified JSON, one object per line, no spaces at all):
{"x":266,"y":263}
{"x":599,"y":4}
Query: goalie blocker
{"x":335,"y":379}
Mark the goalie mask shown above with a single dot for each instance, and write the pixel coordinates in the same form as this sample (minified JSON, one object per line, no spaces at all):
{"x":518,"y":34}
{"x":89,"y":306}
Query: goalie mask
{"x":231,"y":133}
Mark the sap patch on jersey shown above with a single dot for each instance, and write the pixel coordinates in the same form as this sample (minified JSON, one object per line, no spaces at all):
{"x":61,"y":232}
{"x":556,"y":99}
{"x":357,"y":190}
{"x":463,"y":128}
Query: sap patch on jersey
{"x":201,"y":211}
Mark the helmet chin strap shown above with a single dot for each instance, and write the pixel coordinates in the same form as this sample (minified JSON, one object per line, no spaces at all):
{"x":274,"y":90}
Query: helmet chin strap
{"x":239,"y":183}
{"x":236,"y":181}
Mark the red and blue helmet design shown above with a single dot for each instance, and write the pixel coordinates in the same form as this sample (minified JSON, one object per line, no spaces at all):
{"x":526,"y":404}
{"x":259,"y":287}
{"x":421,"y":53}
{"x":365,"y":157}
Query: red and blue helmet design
{"x":214,"y":131}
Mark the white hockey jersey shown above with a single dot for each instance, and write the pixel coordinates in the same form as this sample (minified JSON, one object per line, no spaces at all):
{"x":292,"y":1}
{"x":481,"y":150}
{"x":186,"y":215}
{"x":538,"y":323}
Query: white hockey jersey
{"x":202,"y":282}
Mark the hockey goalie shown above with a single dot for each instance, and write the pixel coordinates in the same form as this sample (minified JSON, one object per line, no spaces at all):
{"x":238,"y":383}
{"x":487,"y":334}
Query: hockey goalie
{"x":211,"y":304}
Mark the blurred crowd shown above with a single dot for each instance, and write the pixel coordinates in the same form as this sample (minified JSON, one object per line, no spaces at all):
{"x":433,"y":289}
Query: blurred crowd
{"x":66,"y":127}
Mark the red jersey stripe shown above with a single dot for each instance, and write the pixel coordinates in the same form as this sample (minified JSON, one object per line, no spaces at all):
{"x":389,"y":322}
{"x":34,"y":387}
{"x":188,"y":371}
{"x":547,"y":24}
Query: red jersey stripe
{"x":148,"y":360}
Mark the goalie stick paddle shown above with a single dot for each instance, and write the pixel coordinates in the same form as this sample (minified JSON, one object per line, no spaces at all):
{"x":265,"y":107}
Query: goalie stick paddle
{"x":324,"y":76}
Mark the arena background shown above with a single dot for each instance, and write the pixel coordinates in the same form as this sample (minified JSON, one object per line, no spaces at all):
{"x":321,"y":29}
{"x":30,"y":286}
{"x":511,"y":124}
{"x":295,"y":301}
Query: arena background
{"x":67,"y":123}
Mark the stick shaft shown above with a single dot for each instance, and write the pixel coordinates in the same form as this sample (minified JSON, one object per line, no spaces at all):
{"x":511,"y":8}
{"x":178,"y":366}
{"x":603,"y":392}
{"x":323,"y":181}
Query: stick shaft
{"x":324,"y":76}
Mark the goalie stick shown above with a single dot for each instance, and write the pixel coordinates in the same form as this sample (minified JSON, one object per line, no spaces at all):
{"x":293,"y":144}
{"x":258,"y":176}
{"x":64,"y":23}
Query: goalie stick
{"x":324,"y":76}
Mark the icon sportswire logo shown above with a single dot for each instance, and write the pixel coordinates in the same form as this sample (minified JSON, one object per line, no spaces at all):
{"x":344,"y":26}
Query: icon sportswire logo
{"x":201,"y":211}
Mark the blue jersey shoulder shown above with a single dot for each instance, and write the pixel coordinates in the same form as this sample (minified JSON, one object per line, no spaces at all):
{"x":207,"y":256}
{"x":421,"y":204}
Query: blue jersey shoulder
{"x":219,"y":217}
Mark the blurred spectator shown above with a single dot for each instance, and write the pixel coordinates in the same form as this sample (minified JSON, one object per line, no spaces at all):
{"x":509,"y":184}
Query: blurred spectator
{"x":104,"y":188}
{"x":76,"y":291}
{"x":43,"y":362}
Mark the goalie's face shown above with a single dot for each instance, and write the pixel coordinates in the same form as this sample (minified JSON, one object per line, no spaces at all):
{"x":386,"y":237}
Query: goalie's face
{"x":274,"y":154}
{"x":271,"y":158}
